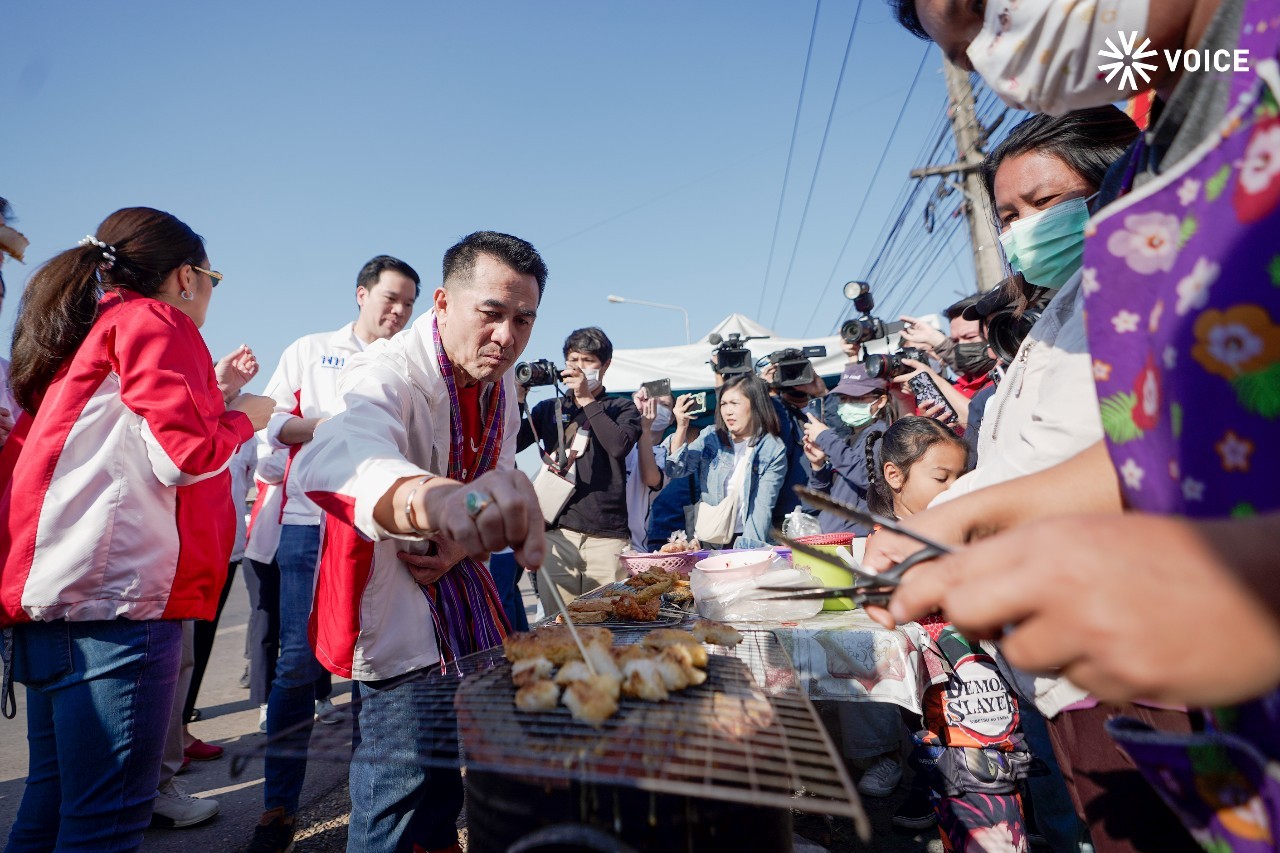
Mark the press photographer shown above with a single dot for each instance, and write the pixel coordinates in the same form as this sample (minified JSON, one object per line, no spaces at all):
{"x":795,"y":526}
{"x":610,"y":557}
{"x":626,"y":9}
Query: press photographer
{"x":599,"y":432}
{"x":793,"y":385}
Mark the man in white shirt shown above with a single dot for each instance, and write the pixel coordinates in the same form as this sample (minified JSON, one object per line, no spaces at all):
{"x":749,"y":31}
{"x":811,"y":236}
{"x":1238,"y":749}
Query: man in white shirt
{"x":305,"y":387}
{"x":417,"y":475}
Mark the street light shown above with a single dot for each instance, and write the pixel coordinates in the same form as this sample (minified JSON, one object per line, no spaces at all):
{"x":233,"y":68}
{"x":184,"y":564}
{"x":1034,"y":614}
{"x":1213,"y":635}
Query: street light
{"x":619,"y":300}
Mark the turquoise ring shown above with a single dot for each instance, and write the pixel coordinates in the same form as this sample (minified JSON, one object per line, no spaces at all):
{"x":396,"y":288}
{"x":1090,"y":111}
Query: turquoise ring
{"x":477,"y":502}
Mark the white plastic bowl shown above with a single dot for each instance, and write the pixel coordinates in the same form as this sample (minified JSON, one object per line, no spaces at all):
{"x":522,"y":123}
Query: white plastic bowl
{"x":739,"y":565}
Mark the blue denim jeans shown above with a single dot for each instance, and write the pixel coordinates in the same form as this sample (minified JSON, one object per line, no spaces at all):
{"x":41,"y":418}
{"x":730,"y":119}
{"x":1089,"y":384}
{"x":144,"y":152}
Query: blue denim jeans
{"x":506,"y":577}
{"x":99,"y":696}
{"x":291,"y":705}
{"x":397,"y":798}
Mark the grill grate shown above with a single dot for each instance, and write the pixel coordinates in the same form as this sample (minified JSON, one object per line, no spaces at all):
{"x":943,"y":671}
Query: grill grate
{"x":748,"y":735}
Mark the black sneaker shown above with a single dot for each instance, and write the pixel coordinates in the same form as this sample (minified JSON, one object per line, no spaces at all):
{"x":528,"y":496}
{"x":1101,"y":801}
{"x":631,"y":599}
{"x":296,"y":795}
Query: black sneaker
{"x":916,"y":813}
{"x":273,"y":834}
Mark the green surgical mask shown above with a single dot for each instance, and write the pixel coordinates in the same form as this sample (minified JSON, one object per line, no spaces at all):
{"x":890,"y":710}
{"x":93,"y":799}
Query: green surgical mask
{"x":1048,"y":247}
{"x":855,"y":414}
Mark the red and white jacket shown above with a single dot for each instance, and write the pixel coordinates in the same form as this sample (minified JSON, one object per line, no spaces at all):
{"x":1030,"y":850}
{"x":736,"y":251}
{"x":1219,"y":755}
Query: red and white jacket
{"x":263,"y":535}
{"x":116,"y":499}
{"x":305,"y":385}
{"x":370,"y":619}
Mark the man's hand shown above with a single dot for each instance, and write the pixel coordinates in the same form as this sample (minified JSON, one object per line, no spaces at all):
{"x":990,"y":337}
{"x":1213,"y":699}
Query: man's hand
{"x":299,"y":430}
{"x":522,"y":392}
{"x":6,"y":424}
{"x":813,"y":428}
{"x":576,"y":382}
{"x":429,"y":569}
{"x":510,"y":518}
{"x":235,"y":370}
{"x":918,"y":333}
{"x":1126,"y":606}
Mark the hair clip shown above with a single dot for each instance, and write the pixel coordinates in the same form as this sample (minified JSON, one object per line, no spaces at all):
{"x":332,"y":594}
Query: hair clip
{"x":108,"y":252}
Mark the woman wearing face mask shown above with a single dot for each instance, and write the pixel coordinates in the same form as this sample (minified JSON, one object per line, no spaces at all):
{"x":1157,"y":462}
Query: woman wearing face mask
{"x":645,"y":463}
{"x":1039,"y":180}
{"x":837,"y":466}
{"x":119,"y":517}
{"x":742,"y":461}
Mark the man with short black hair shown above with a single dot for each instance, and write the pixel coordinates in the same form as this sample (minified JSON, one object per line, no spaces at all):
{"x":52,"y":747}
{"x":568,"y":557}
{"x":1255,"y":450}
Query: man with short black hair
{"x":417,"y":477}
{"x":599,"y":431}
{"x":305,"y":387}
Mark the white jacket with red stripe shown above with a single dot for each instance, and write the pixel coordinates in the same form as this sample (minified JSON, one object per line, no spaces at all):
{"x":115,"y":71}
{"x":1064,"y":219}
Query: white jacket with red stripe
{"x":116,"y":499}
{"x":305,"y":385}
{"x":370,"y":619}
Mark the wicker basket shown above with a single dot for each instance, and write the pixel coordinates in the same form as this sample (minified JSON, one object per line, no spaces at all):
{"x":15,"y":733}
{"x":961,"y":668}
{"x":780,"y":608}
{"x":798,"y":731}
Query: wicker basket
{"x":827,"y":539}
{"x":680,"y":564}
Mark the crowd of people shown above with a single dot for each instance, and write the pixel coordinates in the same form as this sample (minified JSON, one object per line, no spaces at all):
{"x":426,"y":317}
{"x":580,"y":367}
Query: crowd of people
{"x":1090,"y":437}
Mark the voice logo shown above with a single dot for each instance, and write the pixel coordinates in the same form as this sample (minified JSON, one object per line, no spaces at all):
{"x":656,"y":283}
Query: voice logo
{"x":1128,"y":61}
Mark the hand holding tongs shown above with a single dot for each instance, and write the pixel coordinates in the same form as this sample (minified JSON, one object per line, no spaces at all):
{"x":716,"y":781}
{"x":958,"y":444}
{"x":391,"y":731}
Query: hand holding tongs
{"x":875,"y":589}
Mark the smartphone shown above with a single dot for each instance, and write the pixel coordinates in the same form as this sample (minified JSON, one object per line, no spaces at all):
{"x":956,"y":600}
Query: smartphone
{"x":927,"y":391}
{"x":699,"y":404}
{"x":657,"y":388}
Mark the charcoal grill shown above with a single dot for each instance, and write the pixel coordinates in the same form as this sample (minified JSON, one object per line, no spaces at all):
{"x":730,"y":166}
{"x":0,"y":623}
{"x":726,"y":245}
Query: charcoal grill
{"x":718,"y":766}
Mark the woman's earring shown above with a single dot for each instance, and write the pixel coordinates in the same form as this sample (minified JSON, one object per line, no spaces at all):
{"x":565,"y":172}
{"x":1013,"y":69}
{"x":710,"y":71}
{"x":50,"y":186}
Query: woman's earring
{"x":187,"y":295}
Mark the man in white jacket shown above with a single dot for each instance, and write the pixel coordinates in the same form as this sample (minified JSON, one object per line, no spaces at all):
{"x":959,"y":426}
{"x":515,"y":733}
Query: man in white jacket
{"x":417,"y":475}
{"x":305,"y":388}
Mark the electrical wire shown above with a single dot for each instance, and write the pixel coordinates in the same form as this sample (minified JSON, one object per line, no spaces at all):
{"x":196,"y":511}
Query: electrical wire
{"x":791,"y":150}
{"x":874,"y":175}
{"x":817,"y":166}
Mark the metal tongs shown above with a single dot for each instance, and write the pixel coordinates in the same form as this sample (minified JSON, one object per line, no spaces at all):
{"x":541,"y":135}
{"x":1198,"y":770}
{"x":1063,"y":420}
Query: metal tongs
{"x":874,"y":589}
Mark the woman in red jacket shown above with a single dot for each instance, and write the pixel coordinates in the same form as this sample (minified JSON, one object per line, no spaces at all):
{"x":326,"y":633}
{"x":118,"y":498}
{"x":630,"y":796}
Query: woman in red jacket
{"x":116,"y":516}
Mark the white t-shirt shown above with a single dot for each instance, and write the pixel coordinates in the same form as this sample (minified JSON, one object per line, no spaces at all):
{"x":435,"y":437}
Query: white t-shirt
{"x":640,"y":497}
{"x":741,"y":456}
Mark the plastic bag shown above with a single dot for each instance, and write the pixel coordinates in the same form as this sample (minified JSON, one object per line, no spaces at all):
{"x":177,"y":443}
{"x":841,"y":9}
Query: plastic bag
{"x":799,"y":523}
{"x":743,"y":600}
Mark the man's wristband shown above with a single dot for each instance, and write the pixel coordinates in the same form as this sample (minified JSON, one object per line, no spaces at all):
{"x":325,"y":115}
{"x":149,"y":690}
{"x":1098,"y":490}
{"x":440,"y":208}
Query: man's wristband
{"x":410,"y":516}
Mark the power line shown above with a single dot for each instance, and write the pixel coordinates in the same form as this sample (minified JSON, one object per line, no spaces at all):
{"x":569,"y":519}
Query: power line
{"x":786,"y":173}
{"x":874,"y":176}
{"x":817,"y":166}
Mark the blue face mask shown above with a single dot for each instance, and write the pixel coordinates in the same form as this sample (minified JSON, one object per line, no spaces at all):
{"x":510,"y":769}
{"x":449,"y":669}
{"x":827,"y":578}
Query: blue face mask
{"x":1048,"y":247}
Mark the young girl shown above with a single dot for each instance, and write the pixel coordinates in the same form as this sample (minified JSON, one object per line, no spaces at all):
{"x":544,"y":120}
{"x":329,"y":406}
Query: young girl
{"x":970,"y":753}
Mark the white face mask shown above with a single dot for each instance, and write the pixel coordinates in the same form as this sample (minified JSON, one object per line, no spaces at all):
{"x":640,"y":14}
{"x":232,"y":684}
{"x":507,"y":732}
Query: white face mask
{"x":663,"y":418}
{"x":593,"y":379}
{"x":1042,"y":55}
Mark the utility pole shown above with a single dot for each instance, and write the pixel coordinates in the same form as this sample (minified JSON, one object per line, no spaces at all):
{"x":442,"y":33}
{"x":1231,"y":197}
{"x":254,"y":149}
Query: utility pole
{"x":970,"y":138}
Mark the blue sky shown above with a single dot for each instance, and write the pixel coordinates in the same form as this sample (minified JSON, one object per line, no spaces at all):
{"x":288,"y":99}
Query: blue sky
{"x":639,"y":146}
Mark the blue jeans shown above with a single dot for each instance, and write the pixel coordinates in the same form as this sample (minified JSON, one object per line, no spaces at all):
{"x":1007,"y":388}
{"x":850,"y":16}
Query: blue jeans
{"x":397,"y":798}
{"x":291,"y":705}
{"x":506,"y":577}
{"x":99,"y":696}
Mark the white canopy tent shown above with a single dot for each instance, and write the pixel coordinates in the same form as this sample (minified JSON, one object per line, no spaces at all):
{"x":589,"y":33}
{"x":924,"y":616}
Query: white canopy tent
{"x":689,"y":369}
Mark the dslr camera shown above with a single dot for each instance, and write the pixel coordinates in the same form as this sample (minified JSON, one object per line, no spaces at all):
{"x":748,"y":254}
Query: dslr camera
{"x":731,"y":355}
{"x":865,"y":328}
{"x":534,"y":374}
{"x":886,"y":366}
{"x":793,"y":366}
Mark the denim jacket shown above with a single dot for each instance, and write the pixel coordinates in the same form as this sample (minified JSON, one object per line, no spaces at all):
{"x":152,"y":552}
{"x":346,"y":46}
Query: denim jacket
{"x":710,"y":462}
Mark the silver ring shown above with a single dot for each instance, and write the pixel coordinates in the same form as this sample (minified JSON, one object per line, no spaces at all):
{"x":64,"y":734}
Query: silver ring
{"x":477,"y":502}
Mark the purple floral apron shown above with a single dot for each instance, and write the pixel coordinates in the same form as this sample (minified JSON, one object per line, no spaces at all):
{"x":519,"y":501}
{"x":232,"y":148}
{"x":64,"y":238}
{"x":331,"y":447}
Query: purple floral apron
{"x":1182,"y":301}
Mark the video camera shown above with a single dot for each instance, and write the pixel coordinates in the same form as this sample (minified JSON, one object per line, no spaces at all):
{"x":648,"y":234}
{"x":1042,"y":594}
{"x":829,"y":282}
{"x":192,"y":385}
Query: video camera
{"x":886,"y":366}
{"x":865,"y":328}
{"x":731,"y":354}
{"x":793,"y":366}
{"x":534,"y":374}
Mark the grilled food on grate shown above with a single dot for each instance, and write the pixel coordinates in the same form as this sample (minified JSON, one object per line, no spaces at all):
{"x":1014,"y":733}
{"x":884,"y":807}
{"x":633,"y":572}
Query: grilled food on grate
{"x":667,"y":661}
{"x":716,"y":633}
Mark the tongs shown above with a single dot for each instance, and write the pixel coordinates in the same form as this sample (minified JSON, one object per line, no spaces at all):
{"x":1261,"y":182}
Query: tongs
{"x":875,"y":589}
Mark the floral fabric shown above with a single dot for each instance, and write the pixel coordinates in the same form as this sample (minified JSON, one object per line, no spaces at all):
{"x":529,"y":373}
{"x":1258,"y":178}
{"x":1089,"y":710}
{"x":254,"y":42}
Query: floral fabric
{"x":1182,"y":300}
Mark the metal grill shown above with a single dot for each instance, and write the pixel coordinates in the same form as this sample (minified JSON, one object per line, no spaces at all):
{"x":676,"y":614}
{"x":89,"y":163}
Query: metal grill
{"x":748,"y":735}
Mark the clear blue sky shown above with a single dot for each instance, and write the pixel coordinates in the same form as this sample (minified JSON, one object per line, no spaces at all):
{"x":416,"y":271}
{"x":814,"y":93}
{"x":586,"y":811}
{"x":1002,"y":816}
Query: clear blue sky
{"x":640,"y":146}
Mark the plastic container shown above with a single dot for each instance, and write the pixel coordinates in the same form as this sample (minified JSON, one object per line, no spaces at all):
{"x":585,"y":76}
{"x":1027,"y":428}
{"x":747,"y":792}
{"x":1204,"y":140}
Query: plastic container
{"x":736,"y":565}
{"x":833,"y":573}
